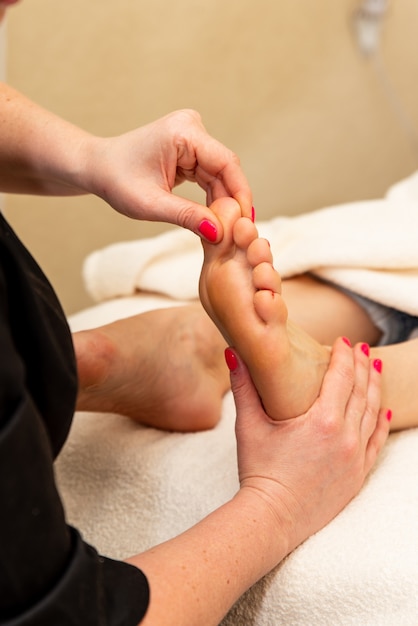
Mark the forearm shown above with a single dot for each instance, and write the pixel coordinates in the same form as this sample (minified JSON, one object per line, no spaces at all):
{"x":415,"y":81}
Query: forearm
{"x":40,"y":153}
{"x":196,"y":577}
{"x":134,"y":173}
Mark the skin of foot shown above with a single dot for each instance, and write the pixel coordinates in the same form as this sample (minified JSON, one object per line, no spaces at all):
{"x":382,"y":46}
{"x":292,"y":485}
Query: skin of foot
{"x":241,"y":291}
{"x":163,"y":368}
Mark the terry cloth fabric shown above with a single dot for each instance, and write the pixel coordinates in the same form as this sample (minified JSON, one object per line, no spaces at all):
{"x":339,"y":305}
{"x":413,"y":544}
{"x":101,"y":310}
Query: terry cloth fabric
{"x":128,"y":487}
{"x":369,"y":247}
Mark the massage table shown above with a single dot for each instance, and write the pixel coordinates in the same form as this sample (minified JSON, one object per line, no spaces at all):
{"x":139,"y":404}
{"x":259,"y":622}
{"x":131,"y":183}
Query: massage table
{"x":128,"y":487}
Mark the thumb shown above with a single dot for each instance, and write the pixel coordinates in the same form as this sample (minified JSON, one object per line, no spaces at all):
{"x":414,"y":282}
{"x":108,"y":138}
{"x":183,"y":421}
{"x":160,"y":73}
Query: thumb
{"x":196,"y":217}
{"x":246,"y":398}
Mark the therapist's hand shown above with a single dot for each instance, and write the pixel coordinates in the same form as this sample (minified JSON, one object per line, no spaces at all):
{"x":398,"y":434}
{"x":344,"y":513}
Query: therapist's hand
{"x":136,"y":172}
{"x":306,"y":470}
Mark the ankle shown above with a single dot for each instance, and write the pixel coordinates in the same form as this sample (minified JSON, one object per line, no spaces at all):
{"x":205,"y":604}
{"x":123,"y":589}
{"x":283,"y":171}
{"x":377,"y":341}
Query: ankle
{"x":95,"y":352}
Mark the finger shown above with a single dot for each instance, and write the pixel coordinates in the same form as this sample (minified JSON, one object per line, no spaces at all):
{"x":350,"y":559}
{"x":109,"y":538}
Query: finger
{"x":377,"y":439}
{"x":188,"y":214}
{"x":214,"y":191}
{"x":358,"y":401}
{"x":374,"y":394}
{"x":232,"y":182}
{"x":339,"y":379}
{"x":202,"y":158}
{"x":246,"y":398}
{"x":235,"y":186}
{"x":212,"y":165}
{"x":227,"y":179}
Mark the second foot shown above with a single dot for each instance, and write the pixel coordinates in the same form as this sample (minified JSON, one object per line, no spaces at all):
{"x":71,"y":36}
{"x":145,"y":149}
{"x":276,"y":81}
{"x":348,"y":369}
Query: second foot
{"x":163,"y":368}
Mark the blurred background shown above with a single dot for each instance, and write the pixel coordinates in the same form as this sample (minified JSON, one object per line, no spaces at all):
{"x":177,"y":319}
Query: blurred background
{"x":318,"y":98}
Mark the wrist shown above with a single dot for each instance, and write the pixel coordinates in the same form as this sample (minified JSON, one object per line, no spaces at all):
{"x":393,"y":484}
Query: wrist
{"x":279,"y":512}
{"x":84,"y":162}
{"x":273,"y":524}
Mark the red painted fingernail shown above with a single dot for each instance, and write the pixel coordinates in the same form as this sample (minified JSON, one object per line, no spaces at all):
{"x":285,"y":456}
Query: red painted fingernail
{"x":365,"y":348}
{"x":252,"y":214}
{"x":347,"y":341}
{"x":377,"y":364}
{"x":389,"y":415}
{"x":231,"y":359}
{"x":208,"y":230}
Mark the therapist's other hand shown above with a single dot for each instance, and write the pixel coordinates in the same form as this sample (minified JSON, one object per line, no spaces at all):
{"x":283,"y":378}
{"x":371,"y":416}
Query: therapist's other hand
{"x":136,"y":173}
{"x":306,"y":470}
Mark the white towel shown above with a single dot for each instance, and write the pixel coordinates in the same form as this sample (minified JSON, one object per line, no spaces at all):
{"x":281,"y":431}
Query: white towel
{"x":370,"y":247}
{"x":127,"y":487}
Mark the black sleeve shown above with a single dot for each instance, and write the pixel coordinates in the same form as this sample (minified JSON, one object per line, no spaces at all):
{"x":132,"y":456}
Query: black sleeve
{"x":48,"y":574}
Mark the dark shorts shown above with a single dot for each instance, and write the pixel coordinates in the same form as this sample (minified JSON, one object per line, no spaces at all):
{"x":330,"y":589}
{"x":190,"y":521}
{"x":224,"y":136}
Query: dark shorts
{"x":395,"y":326}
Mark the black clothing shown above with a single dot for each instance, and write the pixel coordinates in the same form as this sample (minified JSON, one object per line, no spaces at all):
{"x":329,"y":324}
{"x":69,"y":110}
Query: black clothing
{"x":48,"y":575}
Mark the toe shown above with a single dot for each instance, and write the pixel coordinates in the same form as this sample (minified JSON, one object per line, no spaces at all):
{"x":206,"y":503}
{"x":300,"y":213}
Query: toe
{"x":228,"y":211}
{"x":265,"y":277}
{"x":259,"y":252}
{"x":244,"y":233}
{"x":270,"y":307}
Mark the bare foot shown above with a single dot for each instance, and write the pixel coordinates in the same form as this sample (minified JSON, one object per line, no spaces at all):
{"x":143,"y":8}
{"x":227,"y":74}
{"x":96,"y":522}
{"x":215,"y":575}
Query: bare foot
{"x":241,"y":291}
{"x":164,"y":368}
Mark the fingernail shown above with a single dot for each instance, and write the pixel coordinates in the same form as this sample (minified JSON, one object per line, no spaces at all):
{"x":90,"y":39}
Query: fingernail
{"x":347,"y":341}
{"x":377,"y":364}
{"x":208,"y":231}
{"x":231,"y":359}
{"x":365,"y":348}
{"x":389,"y":415}
{"x":252,"y":214}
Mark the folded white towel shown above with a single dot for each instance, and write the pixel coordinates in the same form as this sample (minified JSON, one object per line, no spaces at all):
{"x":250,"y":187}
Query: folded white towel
{"x":369,"y":247}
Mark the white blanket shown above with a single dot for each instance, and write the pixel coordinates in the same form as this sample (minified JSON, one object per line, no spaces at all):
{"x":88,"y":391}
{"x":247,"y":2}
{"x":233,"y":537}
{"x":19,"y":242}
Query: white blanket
{"x":127,"y":487}
{"x":370,"y":247}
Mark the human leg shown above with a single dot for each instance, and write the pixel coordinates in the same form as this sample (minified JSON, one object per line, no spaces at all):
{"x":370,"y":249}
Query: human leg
{"x":164,"y":368}
{"x":326,"y":312}
{"x":399,"y":388}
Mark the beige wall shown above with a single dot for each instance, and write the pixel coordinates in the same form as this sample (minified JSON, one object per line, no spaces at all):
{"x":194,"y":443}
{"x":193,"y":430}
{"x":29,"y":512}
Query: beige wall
{"x":280,"y":82}
{"x":2,"y":51}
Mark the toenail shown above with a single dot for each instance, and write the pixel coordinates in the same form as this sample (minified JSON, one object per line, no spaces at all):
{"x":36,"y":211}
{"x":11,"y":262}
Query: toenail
{"x":252,"y":214}
{"x":208,"y":231}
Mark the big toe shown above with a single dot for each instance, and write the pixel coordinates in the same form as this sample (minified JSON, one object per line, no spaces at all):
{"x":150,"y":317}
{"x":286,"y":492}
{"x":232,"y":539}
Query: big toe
{"x":228,"y":211}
